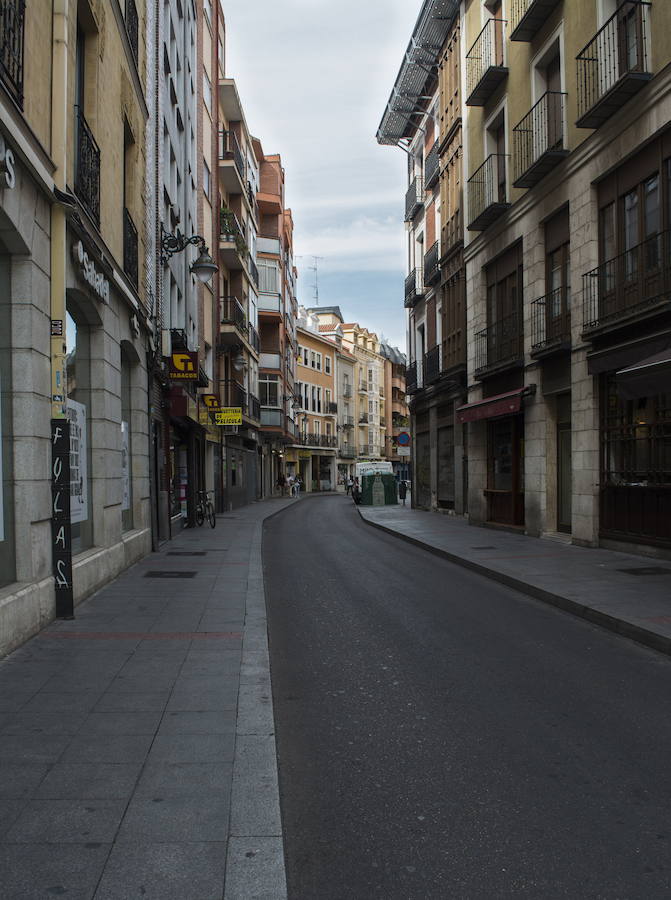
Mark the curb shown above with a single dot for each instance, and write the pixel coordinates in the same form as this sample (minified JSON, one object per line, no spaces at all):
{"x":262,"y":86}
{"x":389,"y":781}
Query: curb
{"x":650,"y":639}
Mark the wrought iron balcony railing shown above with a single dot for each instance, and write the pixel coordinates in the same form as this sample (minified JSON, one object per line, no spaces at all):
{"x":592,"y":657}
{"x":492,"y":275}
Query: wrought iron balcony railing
{"x":363,"y":418}
{"x":254,"y":408}
{"x":331,"y":409}
{"x":527,"y":16}
{"x":347,"y":391}
{"x":12,"y":17}
{"x":347,"y":451}
{"x":500,"y":343}
{"x":414,"y":198}
{"x":87,"y":167}
{"x":130,"y":252}
{"x":538,"y":140}
{"x":232,"y":313}
{"x":614,"y":65}
{"x":411,"y":378}
{"x":253,"y":271}
{"x":630,"y":285}
{"x":348,"y":421}
{"x":432,"y":365}
{"x":229,"y":148}
{"x":233,"y":394}
{"x":254,"y":337}
{"x":551,"y":322}
{"x":487,"y":193}
{"x":431,"y":166}
{"x":132,"y":27}
{"x":431,"y":270}
{"x":178,"y":339}
{"x":414,"y":287}
{"x":484,"y":63}
{"x":309,"y":439}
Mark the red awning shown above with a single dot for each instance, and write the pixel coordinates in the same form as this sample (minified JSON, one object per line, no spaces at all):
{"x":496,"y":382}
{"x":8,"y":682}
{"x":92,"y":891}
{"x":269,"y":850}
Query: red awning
{"x":500,"y":405}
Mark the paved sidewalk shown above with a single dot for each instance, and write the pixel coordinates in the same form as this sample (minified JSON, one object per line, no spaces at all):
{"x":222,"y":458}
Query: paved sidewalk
{"x":626,"y":593}
{"x":137,"y":745}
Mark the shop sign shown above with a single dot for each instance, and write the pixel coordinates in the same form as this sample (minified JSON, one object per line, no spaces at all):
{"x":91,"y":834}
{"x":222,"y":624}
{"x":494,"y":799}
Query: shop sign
{"x":184,"y":365}
{"x":97,"y":281}
{"x":210,"y":400}
{"x":7,"y":164}
{"x":403,"y":451}
{"x":228,"y":415}
{"x":204,"y":417}
{"x":79,"y":499}
{"x":304,"y":454}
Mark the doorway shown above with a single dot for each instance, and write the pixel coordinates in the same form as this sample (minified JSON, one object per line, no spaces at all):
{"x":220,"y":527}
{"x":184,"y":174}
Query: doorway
{"x":564,"y":464}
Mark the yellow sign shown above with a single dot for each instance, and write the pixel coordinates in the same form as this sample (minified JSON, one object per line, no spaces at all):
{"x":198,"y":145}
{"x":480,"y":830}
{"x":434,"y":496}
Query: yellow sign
{"x":210,"y":400}
{"x":204,"y":417}
{"x":228,"y":415}
{"x":184,"y":365}
{"x":304,"y":454}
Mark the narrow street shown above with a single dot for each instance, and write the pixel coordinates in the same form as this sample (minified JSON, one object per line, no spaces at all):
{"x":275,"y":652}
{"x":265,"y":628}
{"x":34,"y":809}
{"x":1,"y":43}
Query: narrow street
{"x":441,"y":736}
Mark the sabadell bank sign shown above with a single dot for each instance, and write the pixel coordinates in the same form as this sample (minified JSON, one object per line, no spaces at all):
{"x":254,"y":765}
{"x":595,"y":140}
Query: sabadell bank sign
{"x":89,"y":273}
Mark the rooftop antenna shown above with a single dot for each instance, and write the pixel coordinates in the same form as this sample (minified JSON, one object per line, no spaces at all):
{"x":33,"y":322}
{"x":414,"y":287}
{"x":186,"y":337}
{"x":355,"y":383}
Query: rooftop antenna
{"x":315,"y":269}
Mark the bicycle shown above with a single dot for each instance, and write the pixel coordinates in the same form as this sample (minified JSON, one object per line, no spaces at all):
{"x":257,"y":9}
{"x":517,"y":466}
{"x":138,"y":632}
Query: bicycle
{"x":205,"y":509}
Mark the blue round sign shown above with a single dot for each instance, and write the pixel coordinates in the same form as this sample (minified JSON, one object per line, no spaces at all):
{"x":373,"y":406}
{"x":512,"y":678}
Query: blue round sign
{"x":403,"y":439}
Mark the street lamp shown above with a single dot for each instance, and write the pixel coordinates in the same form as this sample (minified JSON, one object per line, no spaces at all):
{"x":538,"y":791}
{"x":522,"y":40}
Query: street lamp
{"x":295,"y":400}
{"x":203,"y":268}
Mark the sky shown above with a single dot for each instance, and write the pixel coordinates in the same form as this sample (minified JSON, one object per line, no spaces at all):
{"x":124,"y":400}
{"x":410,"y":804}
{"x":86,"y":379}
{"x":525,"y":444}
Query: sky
{"x":314,"y":78}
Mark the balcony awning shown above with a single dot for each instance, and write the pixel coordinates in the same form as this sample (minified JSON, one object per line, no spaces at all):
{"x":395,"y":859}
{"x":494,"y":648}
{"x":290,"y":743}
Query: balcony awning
{"x":499,"y":405}
{"x":647,"y":378}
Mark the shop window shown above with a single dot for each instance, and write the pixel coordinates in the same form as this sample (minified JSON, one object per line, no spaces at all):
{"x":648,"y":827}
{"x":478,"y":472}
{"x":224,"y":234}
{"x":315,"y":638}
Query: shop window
{"x":126,"y":444}
{"x":78,"y":383}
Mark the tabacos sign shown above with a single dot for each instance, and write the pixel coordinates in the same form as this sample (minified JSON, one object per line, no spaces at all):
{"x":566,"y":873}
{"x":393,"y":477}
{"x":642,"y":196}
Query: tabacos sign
{"x":184,"y":365}
{"x":97,"y":281}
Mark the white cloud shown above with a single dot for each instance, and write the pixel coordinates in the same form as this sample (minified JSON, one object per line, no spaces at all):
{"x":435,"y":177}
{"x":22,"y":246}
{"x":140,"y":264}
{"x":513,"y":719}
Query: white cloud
{"x":362,"y":244}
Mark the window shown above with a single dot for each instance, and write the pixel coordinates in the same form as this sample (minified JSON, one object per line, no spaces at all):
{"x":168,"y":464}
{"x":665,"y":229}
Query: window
{"x":207,"y":93}
{"x":329,"y":429}
{"x":126,"y":444}
{"x":327,"y":398}
{"x":305,"y":355}
{"x":268,"y":390}
{"x":319,"y":400}
{"x":206,"y":180}
{"x":207,"y":8}
{"x":313,"y":359}
{"x":327,"y":365}
{"x":78,"y":380}
{"x":313,"y":392}
{"x":318,"y":357}
{"x":317,"y":426}
{"x":268,"y":276}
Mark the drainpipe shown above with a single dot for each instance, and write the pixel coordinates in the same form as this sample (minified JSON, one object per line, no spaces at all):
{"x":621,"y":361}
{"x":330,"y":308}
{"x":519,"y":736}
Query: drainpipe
{"x":60,"y":428}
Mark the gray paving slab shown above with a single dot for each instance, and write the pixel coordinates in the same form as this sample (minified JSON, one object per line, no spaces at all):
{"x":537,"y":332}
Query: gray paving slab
{"x":127,"y":734}
{"x":599,"y":585}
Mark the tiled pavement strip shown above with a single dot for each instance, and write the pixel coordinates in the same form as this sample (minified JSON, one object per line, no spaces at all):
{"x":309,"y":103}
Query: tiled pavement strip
{"x":626,"y":593}
{"x":137,"y":747}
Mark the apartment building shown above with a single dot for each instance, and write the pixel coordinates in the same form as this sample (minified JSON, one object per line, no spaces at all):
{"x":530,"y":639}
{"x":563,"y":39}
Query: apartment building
{"x":568,"y":198}
{"x":424,"y":118}
{"x":277,"y":310}
{"x":238,"y":184}
{"x":313,"y":455}
{"x":396,"y":412}
{"x":73,"y":308}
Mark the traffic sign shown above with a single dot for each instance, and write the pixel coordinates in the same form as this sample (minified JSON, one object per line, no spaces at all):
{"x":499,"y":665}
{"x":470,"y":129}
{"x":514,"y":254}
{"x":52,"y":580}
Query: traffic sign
{"x":403,"y":439}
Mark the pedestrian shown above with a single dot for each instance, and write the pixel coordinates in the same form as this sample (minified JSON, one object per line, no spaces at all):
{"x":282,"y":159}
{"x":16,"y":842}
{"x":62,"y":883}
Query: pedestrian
{"x":356,"y":492}
{"x":402,"y":491}
{"x":298,"y":484}
{"x":348,"y":484}
{"x":281,"y":483}
{"x":291,"y":482}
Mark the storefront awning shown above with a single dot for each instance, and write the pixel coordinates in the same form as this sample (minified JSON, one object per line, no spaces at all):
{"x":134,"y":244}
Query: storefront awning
{"x":647,"y":378}
{"x":499,"y":405}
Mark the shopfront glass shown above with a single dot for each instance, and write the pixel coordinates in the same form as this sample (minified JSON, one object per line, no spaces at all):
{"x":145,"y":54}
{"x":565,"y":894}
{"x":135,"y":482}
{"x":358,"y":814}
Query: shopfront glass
{"x":7,"y":557}
{"x":126,"y":445}
{"x":78,"y":379}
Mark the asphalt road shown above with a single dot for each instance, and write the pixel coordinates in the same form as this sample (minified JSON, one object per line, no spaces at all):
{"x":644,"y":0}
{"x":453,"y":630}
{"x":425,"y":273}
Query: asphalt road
{"x":441,"y":736}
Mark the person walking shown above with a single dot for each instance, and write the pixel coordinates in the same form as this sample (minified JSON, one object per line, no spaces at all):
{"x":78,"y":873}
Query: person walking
{"x":356,"y":492}
{"x":281,"y":483}
{"x":291,"y":483}
{"x":402,"y":491}
{"x":348,"y":484}
{"x":298,"y":484}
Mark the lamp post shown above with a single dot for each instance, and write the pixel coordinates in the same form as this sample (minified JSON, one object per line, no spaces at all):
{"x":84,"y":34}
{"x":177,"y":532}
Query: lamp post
{"x":204,"y":267}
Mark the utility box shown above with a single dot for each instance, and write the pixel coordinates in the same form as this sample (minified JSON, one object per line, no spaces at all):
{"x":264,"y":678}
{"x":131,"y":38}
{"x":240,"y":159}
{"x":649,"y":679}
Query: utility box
{"x":379,"y":490}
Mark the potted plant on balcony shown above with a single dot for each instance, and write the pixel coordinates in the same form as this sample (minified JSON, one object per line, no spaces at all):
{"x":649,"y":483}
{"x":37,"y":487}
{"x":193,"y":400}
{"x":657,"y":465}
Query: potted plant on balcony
{"x":228,"y":225}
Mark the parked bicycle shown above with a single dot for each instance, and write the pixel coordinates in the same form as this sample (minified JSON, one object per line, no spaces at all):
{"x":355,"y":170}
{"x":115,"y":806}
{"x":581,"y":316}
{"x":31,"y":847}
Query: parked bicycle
{"x":205,"y":509}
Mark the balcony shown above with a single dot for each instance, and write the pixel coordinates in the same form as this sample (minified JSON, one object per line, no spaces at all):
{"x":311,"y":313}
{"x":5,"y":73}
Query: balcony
{"x":432,"y":365}
{"x":413,"y":378}
{"x":309,"y":439}
{"x":12,"y":15}
{"x":484,"y":64}
{"x":551,"y":323}
{"x":499,"y":346}
{"x":431,"y":269}
{"x":363,"y":387}
{"x":272,"y":417}
{"x":233,"y":394}
{"x":253,"y":271}
{"x":347,"y":391}
{"x":538,"y":140}
{"x":232,"y":169}
{"x":130,"y":257}
{"x":233,"y":315}
{"x":414,"y":288}
{"x":87,"y":167}
{"x":614,"y":65}
{"x":348,"y":421}
{"x":270,"y":303}
{"x":414,"y":198}
{"x":253,"y":337}
{"x":636,"y":284}
{"x":487,"y":193}
{"x":431,"y":167}
{"x":347,"y":451}
{"x":232,"y":246}
{"x":254,"y":408}
{"x":270,"y":360}
{"x":527,"y":16}
{"x":331,"y":409}
{"x":363,"y":418}
{"x":132,"y":28}
{"x":365,"y":450}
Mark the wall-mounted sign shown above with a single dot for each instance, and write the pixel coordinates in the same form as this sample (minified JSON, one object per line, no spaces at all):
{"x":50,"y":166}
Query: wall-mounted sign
{"x":7,"y":165}
{"x":403,"y":439}
{"x":97,"y":281}
{"x":210,"y":400}
{"x":184,"y":365}
{"x":228,"y":415}
{"x":403,"y":451}
{"x":79,"y":491}
{"x":56,"y":327}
